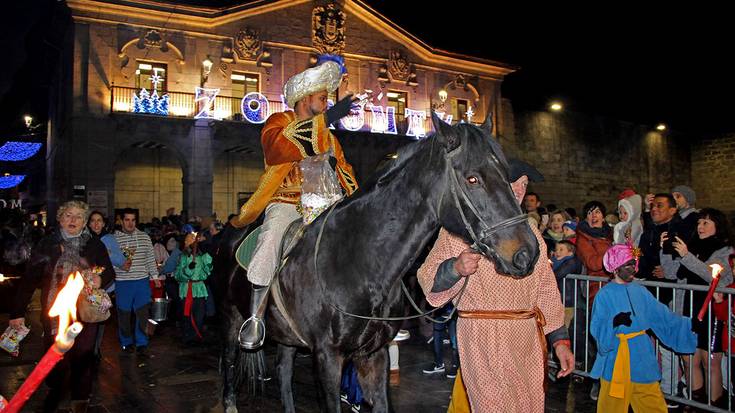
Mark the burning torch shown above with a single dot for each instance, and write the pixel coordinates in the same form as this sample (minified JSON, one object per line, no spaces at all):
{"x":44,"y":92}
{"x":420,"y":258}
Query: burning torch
{"x":64,"y":307}
{"x":716,"y":269}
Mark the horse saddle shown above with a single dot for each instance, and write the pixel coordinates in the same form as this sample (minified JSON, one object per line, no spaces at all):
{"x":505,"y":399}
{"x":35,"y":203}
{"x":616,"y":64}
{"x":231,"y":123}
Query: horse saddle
{"x":245,"y":251}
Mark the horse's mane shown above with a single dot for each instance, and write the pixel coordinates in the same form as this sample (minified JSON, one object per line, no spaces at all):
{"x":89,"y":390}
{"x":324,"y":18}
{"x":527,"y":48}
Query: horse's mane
{"x":389,"y":169}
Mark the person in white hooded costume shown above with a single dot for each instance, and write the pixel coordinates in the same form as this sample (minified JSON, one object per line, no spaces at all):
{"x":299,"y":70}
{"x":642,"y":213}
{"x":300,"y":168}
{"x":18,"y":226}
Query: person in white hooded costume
{"x":629,"y":227}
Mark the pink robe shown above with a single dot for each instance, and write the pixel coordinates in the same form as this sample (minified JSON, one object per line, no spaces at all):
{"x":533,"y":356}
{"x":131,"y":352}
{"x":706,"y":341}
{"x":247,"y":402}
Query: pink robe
{"x":501,"y":360}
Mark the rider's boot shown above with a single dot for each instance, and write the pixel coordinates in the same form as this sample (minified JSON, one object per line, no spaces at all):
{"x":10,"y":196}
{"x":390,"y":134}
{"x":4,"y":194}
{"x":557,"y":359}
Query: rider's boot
{"x":252,"y":332}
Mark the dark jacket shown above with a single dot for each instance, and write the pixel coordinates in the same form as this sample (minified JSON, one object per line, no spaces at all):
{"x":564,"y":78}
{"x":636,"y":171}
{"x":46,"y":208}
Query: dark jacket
{"x":570,"y":266}
{"x":650,"y":245}
{"x":40,"y":272}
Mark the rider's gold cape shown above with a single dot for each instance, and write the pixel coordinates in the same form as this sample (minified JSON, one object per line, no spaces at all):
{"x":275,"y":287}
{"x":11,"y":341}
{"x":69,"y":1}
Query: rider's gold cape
{"x":286,"y":141}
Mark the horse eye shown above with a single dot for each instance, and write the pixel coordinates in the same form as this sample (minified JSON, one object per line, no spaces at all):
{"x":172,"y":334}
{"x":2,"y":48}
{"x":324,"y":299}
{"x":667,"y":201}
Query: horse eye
{"x":472,"y":180}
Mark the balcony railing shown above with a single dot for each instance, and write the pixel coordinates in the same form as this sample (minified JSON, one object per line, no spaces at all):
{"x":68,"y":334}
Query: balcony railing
{"x":182,"y":104}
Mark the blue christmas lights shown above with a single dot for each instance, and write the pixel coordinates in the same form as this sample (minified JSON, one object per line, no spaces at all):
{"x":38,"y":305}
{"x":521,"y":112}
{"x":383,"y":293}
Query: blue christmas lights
{"x":9,"y":181}
{"x":145,"y":102}
{"x":18,"y":151}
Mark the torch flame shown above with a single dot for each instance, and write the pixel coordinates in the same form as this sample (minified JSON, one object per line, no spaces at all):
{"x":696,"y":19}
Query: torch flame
{"x":716,"y":269}
{"x":65,"y":305}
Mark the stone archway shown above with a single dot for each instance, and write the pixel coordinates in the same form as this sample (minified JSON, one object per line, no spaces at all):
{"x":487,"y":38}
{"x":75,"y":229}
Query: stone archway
{"x":236,"y":174}
{"x":148,"y":177}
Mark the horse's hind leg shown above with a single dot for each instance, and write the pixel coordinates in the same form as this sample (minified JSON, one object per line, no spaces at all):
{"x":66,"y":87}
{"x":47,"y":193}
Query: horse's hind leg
{"x":372,"y":372}
{"x":285,"y":362}
{"x":230,"y":359}
{"x":328,"y":371}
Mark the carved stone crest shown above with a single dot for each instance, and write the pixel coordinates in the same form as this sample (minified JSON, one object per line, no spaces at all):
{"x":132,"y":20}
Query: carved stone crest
{"x":398,"y":65}
{"x":328,"y":29}
{"x":247,"y":44}
{"x":152,"y":38}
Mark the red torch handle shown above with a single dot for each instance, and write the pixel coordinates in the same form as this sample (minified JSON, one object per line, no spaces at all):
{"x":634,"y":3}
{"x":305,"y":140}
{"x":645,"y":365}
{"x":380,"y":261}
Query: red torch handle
{"x":34,"y":380}
{"x":711,"y":291}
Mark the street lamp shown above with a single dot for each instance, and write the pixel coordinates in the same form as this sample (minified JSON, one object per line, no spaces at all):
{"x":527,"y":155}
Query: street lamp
{"x":206,"y":69}
{"x":556,"y":106}
{"x":660,"y":127}
{"x":28,"y":120}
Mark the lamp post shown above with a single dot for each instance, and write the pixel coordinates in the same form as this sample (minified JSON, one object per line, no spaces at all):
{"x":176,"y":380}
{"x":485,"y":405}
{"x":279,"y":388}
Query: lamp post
{"x":206,"y":69}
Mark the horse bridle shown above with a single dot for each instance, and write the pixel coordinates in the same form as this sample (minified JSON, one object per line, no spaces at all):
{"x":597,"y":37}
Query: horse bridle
{"x":486,"y":230}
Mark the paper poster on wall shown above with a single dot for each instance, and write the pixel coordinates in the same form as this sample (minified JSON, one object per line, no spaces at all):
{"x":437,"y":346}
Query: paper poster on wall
{"x":97,"y":201}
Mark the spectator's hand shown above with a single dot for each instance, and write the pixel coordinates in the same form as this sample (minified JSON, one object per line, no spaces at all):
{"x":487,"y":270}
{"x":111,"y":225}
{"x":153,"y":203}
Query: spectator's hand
{"x":157,"y":283}
{"x":96,"y":281}
{"x":622,"y":319}
{"x":467,"y":262}
{"x":664,"y":237}
{"x":649,"y":201}
{"x":658,"y":272}
{"x":566,"y":360}
{"x":127,"y":265}
{"x":718,"y":297}
{"x":340,"y":109}
{"x":680,"y":247}
{"x":17,"y":323}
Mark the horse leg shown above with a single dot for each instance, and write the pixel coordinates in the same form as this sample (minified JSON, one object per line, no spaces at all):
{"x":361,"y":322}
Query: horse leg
{"x":328,"y":370}
{"x":372,"y":373}
{"x":284,"y":369}
{"x":230,"y":359}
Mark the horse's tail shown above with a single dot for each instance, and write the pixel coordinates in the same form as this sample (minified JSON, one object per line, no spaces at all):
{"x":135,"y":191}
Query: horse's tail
{"x":251,"y":371}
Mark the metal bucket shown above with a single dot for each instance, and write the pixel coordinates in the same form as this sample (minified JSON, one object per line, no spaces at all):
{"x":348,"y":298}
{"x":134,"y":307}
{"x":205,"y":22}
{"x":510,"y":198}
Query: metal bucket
{"x":159,"y":309}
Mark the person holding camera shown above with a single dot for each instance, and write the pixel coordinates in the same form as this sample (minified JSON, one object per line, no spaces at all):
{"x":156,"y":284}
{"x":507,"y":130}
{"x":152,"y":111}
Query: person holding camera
{"x":710,"y":245}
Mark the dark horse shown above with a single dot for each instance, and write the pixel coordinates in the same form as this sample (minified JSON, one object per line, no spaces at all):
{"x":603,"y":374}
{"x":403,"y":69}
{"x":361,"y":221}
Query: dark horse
{"x":352,"y":259}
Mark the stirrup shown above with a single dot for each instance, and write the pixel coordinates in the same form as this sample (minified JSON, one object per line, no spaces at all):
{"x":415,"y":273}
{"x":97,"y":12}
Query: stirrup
{"x":261,"y":337}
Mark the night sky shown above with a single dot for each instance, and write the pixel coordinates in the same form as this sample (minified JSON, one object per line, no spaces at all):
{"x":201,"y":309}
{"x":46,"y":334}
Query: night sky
{"x":671,"y":65}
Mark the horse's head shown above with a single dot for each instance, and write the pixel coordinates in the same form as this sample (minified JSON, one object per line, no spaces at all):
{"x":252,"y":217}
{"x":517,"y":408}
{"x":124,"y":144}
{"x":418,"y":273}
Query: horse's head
{"x":478,"y":202}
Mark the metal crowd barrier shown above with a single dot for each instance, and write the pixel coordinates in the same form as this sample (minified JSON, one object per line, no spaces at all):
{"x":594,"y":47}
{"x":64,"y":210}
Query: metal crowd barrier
{"x":579,"y":331}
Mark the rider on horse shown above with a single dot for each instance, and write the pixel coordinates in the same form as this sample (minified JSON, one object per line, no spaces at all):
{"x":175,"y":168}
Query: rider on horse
{"x":288,"y":138}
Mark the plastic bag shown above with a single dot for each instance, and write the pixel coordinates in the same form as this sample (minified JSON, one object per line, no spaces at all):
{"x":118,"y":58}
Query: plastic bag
{"x":319,"y":188}
{"x":11,"y":338}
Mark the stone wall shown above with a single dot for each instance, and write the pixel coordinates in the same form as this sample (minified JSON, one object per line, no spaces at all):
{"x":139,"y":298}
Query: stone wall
{"x":586,"y":158}
{"x":713,"y":176}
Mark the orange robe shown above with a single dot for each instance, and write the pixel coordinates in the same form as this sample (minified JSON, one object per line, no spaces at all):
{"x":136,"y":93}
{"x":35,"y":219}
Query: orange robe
{"x":286,"y":141}
{"x":501,"y":360}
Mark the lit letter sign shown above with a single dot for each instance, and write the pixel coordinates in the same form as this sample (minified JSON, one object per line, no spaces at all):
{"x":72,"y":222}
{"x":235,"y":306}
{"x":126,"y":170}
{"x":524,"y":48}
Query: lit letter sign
{"x":254,"y":107}
{"x":383,"y":122}
{"x":416,"y":119}
{"x":205,"y":100}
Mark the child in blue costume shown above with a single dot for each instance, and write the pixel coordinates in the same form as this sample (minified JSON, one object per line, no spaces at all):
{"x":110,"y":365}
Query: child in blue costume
{"x":626,"y":361}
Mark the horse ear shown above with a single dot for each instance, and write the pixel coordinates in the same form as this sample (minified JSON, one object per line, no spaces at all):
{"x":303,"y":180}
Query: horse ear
{"x":487,"y":126}
{"x":444,"y":133}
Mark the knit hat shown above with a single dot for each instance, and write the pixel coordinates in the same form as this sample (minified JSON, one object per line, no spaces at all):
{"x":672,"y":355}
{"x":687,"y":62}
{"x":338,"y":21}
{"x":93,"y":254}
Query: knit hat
{"x":570,"y":224}
{"x":687,"y":192}
{"x":619,"y":254}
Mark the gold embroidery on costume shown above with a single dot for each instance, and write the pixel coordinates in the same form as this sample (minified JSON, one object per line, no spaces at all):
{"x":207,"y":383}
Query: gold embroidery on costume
{"x":302,"y":132}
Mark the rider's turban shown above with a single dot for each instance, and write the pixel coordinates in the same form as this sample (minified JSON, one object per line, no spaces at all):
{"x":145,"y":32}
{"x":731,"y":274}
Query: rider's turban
{"x":327,"y":76}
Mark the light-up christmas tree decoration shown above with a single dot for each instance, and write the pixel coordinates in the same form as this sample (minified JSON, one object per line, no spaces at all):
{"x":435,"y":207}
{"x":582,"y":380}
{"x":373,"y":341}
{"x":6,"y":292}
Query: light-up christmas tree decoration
{"x":146,"y":102}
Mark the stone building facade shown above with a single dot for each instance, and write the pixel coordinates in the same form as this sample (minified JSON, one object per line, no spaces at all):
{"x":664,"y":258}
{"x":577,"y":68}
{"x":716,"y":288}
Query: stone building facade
{"x":117,"y":146}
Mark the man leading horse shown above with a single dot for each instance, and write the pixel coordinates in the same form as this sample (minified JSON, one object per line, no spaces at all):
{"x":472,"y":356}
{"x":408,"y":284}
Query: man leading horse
{"x":288,"y":138}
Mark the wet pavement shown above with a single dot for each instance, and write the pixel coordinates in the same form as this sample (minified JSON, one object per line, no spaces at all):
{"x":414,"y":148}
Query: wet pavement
{"x":179,"y":378}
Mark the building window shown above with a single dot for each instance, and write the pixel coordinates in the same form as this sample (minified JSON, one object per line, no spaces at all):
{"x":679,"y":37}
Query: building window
{"x":244,"y":83}
{"x":460,"y":107}
{"x":398,"y":100}
{"x":144,"y":75}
